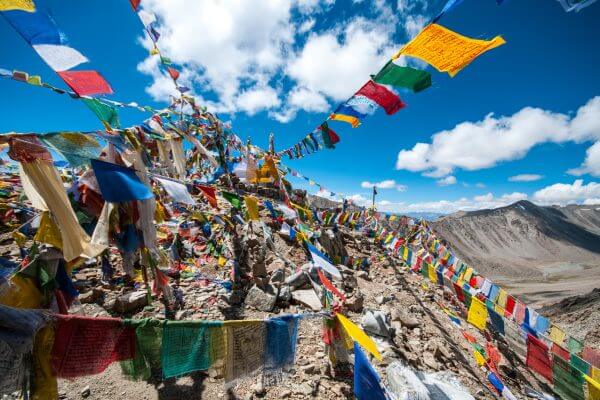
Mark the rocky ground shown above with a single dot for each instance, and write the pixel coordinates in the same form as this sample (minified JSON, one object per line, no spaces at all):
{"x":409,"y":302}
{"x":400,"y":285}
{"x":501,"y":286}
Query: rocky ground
{"x":422,"y":335}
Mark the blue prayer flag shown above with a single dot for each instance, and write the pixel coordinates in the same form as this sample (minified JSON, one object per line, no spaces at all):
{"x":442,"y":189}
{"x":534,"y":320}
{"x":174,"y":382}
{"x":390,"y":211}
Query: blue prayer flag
{"x":367,"y":384}
{"x":119,"y":184}
{"x":496,"y":382}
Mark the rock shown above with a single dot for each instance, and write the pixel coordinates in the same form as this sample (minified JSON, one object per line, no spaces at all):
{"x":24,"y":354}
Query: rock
{"x":429,"y":361}
{"x":181,"y":314}
{"x":333,"y":244}
{"x":309,"y":369}
{"x":307,"y":297}
{"x":85,"y":392}
{"x":285,"y":294}
{"x":297,"y":280}
{"x":278,"y":276}
{"x":375,"y":322}
{"x":258,"y":388}
{"x":380,"y":299}
{"x":285,"y":393}
{"x":130,"y":302}
{"x":91,"y":296}
{"x":355,"y":302}
{"x":363,"y":275}
{"x":261,"y":300}
{"x":409,"y":321}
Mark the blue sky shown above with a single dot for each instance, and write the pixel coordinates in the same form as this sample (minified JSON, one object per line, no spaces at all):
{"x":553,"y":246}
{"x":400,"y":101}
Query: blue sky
{"x":281,"y":66}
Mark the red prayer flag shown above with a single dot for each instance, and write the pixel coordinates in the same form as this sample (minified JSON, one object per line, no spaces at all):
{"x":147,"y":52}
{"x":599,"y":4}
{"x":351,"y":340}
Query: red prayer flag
{"x":538,"y":358}
{"x":387,"y":99}
{"x":592,"y":356}
{"x":561,"y":352}
{"x":210,"y":194}
{"x":86,"y":346}
{"x":329,"y":286}
{"x":135,"y":4}
{"x":85,"y":83}
{"x":510,"y":306}
{"x":173,"y":72}
{"x":459,"y":293}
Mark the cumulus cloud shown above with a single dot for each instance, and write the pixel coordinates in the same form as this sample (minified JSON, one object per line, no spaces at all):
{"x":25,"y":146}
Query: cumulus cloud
{"x":565,"y":193}
{"x":525,"y":178}
{"x":484,"y":144}
{"x":386,"y":184}
{"x":447,"y":181}
{"x":591,"y":164}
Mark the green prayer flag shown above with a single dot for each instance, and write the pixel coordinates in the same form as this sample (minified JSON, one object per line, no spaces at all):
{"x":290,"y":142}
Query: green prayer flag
{"x":568,"y":382}
{"x":105,"y":113}
{"x":406,"y":77}
{"x":575,"y":346}
{"x":234,"y":199}
{"x":148,"y":352}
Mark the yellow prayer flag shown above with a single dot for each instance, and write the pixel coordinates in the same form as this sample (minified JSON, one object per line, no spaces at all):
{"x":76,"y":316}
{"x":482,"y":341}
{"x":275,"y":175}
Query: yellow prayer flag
{"x":270,"y":164}
{"x":35,"y":80}
{"x":445,"y":50}
{"x":21,"y":292}
{"x":252,"y":207}
{"x":22,"y":5}
{"x":478,"y":358}
{"x":432,"y":274}
{"x":359,"y":336}
{"x":355,"y":122}
{"x":593,"y":387}
{"x":468,"y":274}
{"x":393,"y":218}
{"x":477,"y":313}
{"x":596,"y":374}
{"x":502,"y":297}
{"x":557,"y":335}
{"x":222,"y":261}
{"x":48,"y":232}
{"x":45,"y":387}
{"x":19,"y":238}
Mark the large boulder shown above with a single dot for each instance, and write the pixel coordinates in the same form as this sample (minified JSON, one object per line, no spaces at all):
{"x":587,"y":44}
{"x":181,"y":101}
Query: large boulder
{"x":333,"y":244}
{"x":307,"y":297}
{"x":262,"y":300}
{"x":130,"y":302}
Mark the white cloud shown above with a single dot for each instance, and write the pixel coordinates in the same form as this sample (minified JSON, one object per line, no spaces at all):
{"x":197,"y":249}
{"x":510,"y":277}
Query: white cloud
{"x":447,"y":181}
{"x":484,"y":144}
{"x":564,"y":193}
{"x":255,"y":100}
{"x":414,"y":24}
{"x":225,"y":43}
{"x":307,"y":25}
{"x":525,"y":178}
{"x":486,"y":201}
{"x":480,"y":185}
{"x":591,"y":164}
{"x":386,"y":184}
{"x":592,"y":202}
{"x":336,"y":64}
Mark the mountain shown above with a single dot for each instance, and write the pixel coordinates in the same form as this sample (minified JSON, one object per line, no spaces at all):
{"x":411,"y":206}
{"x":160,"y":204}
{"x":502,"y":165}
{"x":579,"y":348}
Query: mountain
{"x":543,"y":253}
{"x":428,"y":216}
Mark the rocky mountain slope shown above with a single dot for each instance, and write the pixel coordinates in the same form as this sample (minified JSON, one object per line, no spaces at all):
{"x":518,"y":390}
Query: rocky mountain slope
{"x":542,"y":253}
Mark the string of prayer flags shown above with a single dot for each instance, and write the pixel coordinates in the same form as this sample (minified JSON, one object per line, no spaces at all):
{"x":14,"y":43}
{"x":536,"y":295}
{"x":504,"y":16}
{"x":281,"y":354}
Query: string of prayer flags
{"x":252,"y":207}
{"x":106,"y":113}
{"x":245,"y":349}
{"x":359,"y":336}
{"x":367,"y":383}
{"x":381,"y":95}
{"x":323,"y":262}
{"x":575,"y":346}
{"x":329,"y":286}
{"x":402,"y":76}
{"x":567,"y":381}
{"x":445,"y":50}
{"x":40,"y":31}
{"x":478,"y":314}
{"x":280,"y":351}
{"x":118,"y":183}
{"x":353,"y":121}
{"x":450,"y":5}
{"x":330,"y":138}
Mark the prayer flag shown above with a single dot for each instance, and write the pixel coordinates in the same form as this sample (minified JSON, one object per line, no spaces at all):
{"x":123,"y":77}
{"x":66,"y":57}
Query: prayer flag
{"x":210,"y":194}
{"x":477,"y":315}
{"x":574,"y":345}
{"x":446,"y":50}
{"x":23,"y":5}
{"x":323,"y":262}
{"x":330,"y":138}
{"x":367,"y":384}
{"x":355,"y":122}
{"x":173,"y":72}
{"x":591,"y":355}
{"x":359,"y":336}
{"x":234,"y":199}
{"x":252,"y":207}
{"x":538,"y":357}
{"x":575,"y":5}
{"x":567,"y":381}
{"x":106,"y":113}
{"x":405,"y":77}
{"x":496,"y":382}
{"x":86,"y":83}
{"x":59,"y":57}
{"x":177,"y":191}
{"x":280,"y":348}
{"x":593,"y":388}
{"x":329,"y":286}
{"x":86,"y":345}
{"x":448,"y":7}
{"x":118,"y":183}
{"x":381,"y":95}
